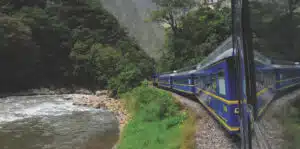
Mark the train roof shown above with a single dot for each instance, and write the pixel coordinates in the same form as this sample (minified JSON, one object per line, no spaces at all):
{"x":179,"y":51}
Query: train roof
{"x":286,"y":66}
{"x":184,"y":73}
{"x":225,"y":50}
{"x":165,"y":75}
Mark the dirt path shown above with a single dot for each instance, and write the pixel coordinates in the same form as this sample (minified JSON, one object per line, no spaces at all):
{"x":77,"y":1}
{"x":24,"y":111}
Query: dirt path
{"x":209,"y":134}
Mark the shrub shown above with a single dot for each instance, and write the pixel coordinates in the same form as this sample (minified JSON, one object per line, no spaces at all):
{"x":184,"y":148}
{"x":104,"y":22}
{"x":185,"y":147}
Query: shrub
{"x":157,"y":120}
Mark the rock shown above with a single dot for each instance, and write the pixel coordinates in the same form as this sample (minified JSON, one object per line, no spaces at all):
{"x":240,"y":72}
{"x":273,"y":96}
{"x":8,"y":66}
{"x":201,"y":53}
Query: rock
{"x":93,"y":99}
{"x":83,"y":91}
{"x":111,"y":93}
{"x":64,"y":91}
{"x":67,"y":98}
{"x":102,"y":92}
{"x":115,"y":146}
{"x":97,"y":105}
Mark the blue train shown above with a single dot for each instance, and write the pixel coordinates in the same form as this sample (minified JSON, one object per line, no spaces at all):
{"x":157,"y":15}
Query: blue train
{"x":212,"y":82}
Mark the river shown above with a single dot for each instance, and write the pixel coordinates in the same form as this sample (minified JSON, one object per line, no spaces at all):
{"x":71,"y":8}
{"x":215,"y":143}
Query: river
{"x":49,"y":122}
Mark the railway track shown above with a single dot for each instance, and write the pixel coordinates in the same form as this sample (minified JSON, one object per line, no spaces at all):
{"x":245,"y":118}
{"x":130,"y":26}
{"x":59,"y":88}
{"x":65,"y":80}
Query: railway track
{"x":268,"y":132}
{"x":209,"y":133}
{"x":259,"y":140}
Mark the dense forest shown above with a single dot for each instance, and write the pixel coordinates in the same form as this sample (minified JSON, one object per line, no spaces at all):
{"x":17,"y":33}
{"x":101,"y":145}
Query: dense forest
{"x":64,"y":43}
{"x":190,"y":34}
{"x":194,"y":33}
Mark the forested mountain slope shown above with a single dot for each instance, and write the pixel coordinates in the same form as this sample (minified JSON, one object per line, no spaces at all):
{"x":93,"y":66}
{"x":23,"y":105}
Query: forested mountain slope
{"x":61,"y":43}
{"x":132,"y":14}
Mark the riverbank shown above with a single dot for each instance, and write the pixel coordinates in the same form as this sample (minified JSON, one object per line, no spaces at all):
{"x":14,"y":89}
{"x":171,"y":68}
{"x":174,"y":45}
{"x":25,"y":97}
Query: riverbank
{"x":48,"y":91}
{"x":103,"y":101}
{"x":157,"y":121}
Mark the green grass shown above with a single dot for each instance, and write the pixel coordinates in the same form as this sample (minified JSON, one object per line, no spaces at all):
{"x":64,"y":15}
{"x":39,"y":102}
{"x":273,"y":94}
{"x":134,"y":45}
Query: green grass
{"x":289,"y":117}
{"x":157,"y":121}
{"x":292,"y":126}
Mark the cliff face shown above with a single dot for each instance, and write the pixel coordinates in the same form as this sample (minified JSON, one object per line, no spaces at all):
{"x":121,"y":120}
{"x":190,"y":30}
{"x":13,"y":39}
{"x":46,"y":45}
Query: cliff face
{"x":132,"y":14}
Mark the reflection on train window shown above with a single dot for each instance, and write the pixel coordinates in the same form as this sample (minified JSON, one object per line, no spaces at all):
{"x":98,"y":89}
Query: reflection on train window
{"x":269,"y":79}
{"x":221,"y":82}
{"x":244,"y":87}
{"x":214,"y":82}
{"x":287,"y":75}
{"x":201,"y":81}
{"x":259,"y":76}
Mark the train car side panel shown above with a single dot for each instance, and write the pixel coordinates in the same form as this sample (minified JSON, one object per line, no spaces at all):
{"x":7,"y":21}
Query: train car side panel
{"x":212,"y":86}
{"x":183,"y":83}
{"x":164,"y":81}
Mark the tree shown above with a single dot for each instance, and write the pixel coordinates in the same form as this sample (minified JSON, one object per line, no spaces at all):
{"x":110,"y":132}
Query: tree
{"x":66,"y":43}
{"x":267,"y":17}
{"x":201,"y":31}
{"x":169,"y":12}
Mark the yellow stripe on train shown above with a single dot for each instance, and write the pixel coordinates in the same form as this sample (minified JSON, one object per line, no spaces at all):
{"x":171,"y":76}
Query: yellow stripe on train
{"x":229,"y":102}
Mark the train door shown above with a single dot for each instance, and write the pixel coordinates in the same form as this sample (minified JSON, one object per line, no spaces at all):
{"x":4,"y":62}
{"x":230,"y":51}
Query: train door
{"x":214,"y":103}
{"x":171,"y":82}
{"x":221,"y":92}
{"x":192,"y":83}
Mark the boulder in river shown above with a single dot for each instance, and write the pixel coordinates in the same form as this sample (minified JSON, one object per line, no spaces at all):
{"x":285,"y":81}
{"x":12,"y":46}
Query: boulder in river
{"x":67,"y":98}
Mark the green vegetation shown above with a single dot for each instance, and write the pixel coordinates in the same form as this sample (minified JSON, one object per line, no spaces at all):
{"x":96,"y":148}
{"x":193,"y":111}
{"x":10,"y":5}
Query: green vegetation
{"x":158,"y":122}
{"x":65,"y":43}
{"x":192,"y":34}
{"x":283,"y":18}
{"x":289,"y":117}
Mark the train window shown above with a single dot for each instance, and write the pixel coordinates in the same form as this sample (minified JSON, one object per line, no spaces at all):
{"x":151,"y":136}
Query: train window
{"x":181,"y":81}
{"x":196,"y":81}
{"x":221,"y":82}
{"x":269,"y":79}
{"x":281,"y":76}
{"x":244,"y":87}
{"x":259,"y":76}
{"x":163,"y":80}
{"x":202,"y":81}
{"x":199,"y":81}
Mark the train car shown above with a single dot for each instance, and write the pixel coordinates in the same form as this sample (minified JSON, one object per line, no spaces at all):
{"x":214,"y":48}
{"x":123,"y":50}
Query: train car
{"x":266,"y":77}
{"x":213,"y":83}
{"x":288,"y":76}
{"x":164,"y":80}
{"x":215,"y":91}
{"x":273,"y":79}
{"x":183,"y":82}
{"x":215,"y":86}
